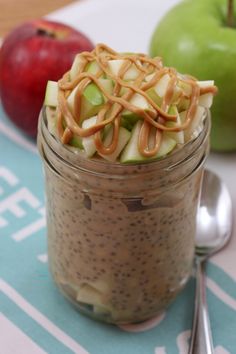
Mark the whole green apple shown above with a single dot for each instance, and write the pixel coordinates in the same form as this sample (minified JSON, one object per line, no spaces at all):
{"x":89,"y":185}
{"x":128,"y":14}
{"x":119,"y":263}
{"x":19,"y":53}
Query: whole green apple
{"x":198,"y":37}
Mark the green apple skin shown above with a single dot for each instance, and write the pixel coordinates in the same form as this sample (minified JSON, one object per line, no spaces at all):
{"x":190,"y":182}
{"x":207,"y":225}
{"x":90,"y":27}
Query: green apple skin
{"x":193,"y":37}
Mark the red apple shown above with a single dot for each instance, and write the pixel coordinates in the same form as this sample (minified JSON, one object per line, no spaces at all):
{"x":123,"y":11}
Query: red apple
{"x":32,"y":54}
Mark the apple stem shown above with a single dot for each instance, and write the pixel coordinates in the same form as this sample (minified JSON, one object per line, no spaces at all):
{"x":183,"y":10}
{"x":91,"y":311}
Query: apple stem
{"x":230,"y":13}
{"x":44,"y":32}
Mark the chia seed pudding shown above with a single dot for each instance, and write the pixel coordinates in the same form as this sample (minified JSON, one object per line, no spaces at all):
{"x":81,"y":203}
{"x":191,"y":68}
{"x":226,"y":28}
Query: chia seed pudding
{"x":121,"y":236}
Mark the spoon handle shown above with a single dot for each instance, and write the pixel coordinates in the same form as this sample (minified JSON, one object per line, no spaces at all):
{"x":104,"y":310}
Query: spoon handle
{"x":201,"y":339}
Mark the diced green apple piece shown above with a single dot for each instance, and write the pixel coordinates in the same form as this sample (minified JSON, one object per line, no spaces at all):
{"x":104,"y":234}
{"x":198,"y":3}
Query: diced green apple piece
{"x":128,"y":119}
{"x":176,"y":96}
{"x":88,"y":142}
{"x":185,"y":87}
{"x":131,"y":74}
{"x":76,"y":141}
{"x":100,"y":285}
{"x":206,"y":100}
{"x":91,"y":101}
{"x":51,"y":120}
{"x":93,"y":94}
{"x":123,"y":91}
{"x":115,"y":65}
{"x":88,"y":110}
{"x":107,"y":85}
{"x":196,"y":125}
{"x":78,"y":61}
{"x":183,"y":104}
{"x":138,"y":101}
{"x":131,"y":152}
{"x":149,"y":77}
{"x":177,"y":136}
{"x":89,"y":295}
{"x":162,"y":85}
{"x":101,"y":310}
{"x":93,"y":67}
{"x":204,"y":84}
{"x":158,"y":92}
{"x":51,"y":94}
{"x":154,"y":96}
{"x":92,"y":98}
{"x":123,"y":138}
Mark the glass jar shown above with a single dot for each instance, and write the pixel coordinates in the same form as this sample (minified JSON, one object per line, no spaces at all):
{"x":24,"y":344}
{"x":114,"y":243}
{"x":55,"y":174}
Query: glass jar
{"x":121,"y":237}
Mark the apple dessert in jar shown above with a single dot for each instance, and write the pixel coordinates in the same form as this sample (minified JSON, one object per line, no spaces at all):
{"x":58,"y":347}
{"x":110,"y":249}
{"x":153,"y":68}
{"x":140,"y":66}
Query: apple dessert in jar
{"x":123,"y":141}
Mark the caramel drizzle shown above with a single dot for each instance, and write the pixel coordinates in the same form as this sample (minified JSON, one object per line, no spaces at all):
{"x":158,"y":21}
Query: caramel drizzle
{"x":154,"y":118}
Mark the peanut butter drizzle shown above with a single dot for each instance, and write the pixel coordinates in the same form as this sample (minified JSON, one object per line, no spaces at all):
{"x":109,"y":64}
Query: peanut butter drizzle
{"x":153,"y":118}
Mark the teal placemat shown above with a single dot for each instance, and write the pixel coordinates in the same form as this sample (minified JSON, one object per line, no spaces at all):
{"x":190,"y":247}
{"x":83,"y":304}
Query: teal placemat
{"x":35,"y":318}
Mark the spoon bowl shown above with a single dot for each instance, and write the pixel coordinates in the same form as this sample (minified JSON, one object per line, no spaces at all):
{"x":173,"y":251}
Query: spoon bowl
{"x":215,"y":217}
{"x":214,"y":228}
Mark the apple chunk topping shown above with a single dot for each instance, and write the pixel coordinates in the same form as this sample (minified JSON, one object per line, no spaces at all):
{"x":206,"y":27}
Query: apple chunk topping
{"x":162,"y":85}
{"x":126,"y":108}
{"x":88,"y":142}
{"x":193,"y":129}
{"x":123,"y":138}
{"x":206,"y":100}
{"x":131,"y":153}
{"x":51,"y":94}
{"x":115,"y":67}
{"x":51,"y":120}
{"x":76,"y":65}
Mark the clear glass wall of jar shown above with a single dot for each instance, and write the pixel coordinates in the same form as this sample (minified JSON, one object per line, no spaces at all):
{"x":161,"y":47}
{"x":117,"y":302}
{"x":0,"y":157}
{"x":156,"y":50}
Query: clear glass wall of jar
{"x":121,"y":237}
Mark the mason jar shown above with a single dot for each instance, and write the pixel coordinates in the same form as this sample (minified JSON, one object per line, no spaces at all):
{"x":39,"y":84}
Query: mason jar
{"x":121,"y":237}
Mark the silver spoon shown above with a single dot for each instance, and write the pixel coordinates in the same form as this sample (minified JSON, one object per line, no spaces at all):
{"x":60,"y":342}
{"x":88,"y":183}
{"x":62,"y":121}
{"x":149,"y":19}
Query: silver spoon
{"x":214,"y":226}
